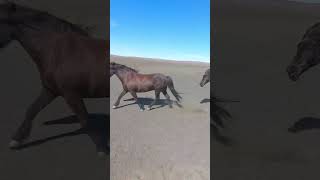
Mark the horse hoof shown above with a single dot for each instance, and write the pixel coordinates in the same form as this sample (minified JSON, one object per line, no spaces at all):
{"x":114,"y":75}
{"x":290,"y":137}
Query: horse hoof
{"x":113,"y":107}
{"x":14,"y":144}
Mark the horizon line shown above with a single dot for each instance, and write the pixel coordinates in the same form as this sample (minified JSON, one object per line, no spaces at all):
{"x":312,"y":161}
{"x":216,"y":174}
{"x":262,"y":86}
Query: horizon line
{"x":161,"y":58}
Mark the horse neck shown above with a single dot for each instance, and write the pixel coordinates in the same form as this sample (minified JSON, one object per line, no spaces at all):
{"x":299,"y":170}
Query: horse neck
{"x":57,"y":25}
{"x":35,"y":43}
{"x":123,"y":74}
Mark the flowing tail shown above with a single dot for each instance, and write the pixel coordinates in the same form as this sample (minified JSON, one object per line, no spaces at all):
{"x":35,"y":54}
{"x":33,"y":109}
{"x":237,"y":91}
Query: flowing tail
{"x":171,"y":87}
{"x":218,"y":115}
{"x":215,"y":133}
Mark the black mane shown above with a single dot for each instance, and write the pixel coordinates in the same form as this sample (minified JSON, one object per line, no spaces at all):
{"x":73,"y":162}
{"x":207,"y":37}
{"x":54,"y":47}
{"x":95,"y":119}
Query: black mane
{"x":121,"y":66}
{"x":312,"y":32}
{"x":62,"y":25}
{"x":43,"y":19}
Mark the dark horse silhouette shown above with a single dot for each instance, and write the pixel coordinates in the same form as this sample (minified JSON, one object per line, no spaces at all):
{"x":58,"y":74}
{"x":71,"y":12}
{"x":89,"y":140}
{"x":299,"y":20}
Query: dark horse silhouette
{"x":307,"y":56}
{"x":134,"y":82}
{"x":217,"y":116}
{"x":308,"y":53}
{"x":205,"y":78}
{"x":71,"y":64}
{"x":217,"y":113}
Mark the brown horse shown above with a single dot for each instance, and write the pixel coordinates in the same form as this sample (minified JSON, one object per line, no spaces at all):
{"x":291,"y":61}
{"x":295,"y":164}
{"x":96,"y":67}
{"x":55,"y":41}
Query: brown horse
{"x":134,"y":82}
{"x":70,"y":65}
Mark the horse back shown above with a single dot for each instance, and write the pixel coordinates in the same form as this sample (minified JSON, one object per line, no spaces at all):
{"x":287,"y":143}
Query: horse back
{"x":80,"y":65}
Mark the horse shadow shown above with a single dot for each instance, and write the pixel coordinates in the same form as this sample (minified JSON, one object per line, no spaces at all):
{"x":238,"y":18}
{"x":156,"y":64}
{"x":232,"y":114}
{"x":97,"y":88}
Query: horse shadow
{"x":98,"y":130}
{"x":220,"y":100}
{"x":147,"y":101}
{"x":205,"y":100}
{"x":305,"y":123}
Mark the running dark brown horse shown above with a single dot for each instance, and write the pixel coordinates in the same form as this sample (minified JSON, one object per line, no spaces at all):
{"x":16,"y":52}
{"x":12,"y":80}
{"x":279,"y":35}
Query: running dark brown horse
{"x":134,"y":82}
{"x":218,"y":114}
{"x":71,"y":64}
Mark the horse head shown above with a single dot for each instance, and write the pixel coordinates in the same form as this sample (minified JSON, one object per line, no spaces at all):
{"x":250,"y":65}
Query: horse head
{"x":205,"y":78}
{"x":113,"y":68}
{"x":307,"y":56}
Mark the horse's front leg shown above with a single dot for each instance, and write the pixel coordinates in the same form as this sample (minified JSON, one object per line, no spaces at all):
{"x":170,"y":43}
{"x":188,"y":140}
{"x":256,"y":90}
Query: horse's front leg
{"x":157,"y":96}
{"x":134,"y":95}
{"x":24,"y":130}
{"x":119,"y":98}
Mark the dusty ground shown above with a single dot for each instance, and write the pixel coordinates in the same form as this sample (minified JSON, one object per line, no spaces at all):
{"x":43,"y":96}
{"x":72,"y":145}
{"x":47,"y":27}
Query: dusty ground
{"x":163,"y":143}
{"x":254,"y":42}
{"x":63,"y":158}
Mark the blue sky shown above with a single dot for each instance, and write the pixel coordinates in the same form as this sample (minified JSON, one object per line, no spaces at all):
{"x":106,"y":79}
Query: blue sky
{"x":167,"y":29}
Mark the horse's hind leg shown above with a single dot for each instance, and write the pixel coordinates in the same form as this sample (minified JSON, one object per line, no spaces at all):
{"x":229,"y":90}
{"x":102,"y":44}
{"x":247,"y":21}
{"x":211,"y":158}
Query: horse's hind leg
{"x":119,"y":98}
{"x":157,"y":96}
{"x":168,"y":98}
{"x":24,"y":130}
{"x":134,"y":95}
{"x":78,"y":107}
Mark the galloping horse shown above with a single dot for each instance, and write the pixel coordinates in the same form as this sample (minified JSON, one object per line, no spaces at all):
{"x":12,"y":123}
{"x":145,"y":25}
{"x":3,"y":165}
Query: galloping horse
{"x":70,"y":63}
{"x":134,"y":82}
{"x":217,"y":113}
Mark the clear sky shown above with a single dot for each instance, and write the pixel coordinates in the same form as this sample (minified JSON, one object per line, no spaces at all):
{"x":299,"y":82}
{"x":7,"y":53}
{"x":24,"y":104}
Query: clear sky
{"x":167,"y":29}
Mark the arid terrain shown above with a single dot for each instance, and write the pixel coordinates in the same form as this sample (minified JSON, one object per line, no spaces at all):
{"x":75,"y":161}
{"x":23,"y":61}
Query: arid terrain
{"x":164,"y":143}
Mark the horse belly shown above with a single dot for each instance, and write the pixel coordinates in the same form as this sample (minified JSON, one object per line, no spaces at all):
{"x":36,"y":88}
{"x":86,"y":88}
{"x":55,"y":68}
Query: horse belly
{"x":90,"y":91}
{"x":142,"y":87}
{"x":87,"y":84}
{"x":98,"y":87}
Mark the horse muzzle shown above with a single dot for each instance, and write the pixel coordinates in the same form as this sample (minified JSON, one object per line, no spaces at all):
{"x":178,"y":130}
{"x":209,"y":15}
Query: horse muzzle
{"x":202,"y":83}
{"x":293,"y":73}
